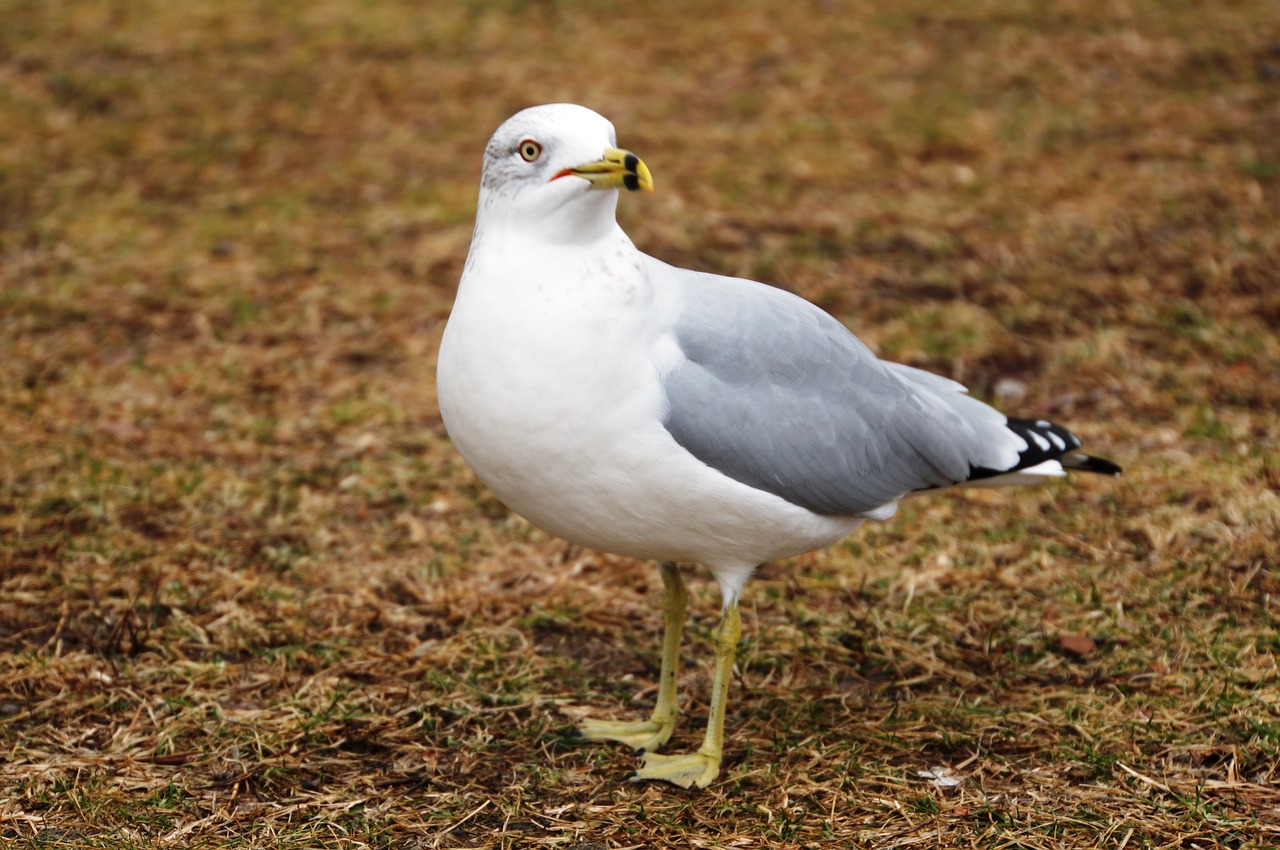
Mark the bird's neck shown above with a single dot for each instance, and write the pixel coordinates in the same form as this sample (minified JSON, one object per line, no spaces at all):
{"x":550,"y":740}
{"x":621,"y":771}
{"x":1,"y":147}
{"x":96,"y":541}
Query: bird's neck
{"x":582,"y":217}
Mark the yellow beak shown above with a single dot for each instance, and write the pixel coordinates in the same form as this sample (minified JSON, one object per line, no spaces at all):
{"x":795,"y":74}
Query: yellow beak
{"x":618,"y":169}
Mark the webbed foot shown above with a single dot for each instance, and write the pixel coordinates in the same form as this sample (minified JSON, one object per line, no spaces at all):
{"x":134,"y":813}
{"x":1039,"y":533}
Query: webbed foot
{"x":691,"y":769}
{"x":647,"y":735}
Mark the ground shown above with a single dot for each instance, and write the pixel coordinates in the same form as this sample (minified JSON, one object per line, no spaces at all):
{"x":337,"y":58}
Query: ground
{"x":251,"y":597}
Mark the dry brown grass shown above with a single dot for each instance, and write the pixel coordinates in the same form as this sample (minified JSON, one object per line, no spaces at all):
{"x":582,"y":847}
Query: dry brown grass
{"x":252,"y":598}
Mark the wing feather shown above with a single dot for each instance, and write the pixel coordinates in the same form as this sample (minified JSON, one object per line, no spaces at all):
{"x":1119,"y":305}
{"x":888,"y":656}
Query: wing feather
{"x":777,"y":394}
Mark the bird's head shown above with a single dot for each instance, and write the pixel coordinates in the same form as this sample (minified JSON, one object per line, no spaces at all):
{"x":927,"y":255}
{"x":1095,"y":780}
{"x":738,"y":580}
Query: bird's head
{"x":557,"y":168}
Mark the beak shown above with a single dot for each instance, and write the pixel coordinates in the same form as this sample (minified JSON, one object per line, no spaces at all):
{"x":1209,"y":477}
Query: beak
{"x":618,"y":169}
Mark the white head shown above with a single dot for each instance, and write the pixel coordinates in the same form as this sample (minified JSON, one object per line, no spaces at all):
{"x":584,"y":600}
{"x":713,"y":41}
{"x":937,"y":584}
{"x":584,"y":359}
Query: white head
{"x":555,"y":169}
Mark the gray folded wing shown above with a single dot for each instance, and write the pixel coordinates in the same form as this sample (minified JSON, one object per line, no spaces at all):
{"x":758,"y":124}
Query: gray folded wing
{"x":778,"y":395}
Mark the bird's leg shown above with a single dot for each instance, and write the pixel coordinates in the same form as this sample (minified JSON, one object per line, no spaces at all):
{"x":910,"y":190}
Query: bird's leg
{"x":702,"y":767}
{"x":675,"y":599}
{"x":649,"y":735}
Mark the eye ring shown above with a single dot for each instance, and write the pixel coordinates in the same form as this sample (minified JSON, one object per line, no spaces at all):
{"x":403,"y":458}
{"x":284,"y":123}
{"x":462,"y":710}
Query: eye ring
{"x":530,"y":150}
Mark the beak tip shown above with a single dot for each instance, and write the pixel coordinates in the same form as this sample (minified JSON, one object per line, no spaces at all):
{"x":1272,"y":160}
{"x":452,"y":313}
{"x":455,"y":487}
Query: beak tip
{"x":617,"y":169}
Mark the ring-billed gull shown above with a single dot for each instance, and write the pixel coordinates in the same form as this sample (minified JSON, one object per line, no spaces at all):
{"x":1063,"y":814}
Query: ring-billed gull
{"x":667,"y":414}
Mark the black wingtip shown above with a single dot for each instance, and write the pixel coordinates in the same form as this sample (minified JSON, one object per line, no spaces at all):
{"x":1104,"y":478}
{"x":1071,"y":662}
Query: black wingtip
{"x":1047,"y":441}
{"x":1089,"y":463}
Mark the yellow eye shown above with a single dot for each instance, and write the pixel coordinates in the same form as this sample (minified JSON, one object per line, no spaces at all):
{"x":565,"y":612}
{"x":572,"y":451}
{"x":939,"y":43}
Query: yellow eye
{"x":530,"y":150}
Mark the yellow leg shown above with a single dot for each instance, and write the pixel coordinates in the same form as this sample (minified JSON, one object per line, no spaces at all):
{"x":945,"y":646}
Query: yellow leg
{"x":647,"y":736}
{"x":702,"y":767}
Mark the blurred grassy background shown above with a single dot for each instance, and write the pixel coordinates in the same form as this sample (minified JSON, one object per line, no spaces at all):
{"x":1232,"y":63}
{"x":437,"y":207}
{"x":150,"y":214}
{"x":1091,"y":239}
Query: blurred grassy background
{"x":251,"y":596}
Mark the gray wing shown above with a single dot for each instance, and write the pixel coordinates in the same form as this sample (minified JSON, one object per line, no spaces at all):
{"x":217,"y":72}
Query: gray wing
{"x":777,"y":394}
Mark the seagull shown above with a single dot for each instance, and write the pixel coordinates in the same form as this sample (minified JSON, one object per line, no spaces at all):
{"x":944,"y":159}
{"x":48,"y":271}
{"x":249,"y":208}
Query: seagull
{"x":660,"y":413}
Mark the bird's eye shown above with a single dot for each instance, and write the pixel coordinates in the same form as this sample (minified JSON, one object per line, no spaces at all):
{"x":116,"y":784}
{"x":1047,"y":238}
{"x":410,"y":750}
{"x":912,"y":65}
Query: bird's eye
{"x":530,"y":150}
